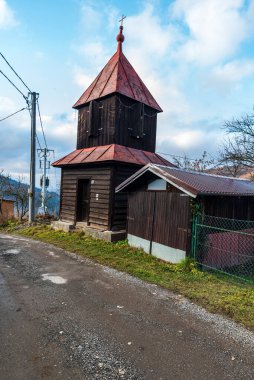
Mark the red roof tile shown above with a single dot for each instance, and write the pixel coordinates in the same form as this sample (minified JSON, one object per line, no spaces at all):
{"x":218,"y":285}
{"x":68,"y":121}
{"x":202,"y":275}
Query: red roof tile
{"x":195,"y":183}
{"x":118,"y":76}
{"x":111,"y":152}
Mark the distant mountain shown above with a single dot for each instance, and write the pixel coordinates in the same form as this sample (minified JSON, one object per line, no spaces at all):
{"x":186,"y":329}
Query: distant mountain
{"x":52,"y":199}
{"x":231,"y":171}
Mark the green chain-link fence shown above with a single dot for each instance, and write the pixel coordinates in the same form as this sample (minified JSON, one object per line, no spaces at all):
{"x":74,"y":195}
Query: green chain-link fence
{"x":224,"y":244}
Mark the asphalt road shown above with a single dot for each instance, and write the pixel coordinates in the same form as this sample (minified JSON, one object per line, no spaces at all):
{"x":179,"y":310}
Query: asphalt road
{"x":62,"y":317}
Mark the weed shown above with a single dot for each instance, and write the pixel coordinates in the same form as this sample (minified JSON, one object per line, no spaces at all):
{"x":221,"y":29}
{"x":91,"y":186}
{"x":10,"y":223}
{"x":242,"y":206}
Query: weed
{"x":216,"y":292}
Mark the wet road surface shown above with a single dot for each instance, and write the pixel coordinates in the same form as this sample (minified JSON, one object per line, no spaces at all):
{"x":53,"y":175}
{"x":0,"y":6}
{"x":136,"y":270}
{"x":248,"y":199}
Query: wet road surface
{"x":64,"y":317}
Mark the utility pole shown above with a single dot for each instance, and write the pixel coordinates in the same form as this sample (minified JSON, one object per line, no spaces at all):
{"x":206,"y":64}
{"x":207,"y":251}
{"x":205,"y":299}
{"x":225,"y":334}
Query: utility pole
{"x":43,"y":193}
{"x":45,"y":165}
{"x":32,"y":157}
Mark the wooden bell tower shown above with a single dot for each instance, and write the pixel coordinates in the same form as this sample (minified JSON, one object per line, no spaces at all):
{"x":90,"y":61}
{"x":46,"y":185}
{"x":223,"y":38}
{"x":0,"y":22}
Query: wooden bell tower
{"x":117,"y":108}
{"x":116,"y":136}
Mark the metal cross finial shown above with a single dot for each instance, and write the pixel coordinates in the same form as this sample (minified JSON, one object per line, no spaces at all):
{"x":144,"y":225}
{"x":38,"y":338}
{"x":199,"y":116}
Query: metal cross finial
{"x":121,"y":20}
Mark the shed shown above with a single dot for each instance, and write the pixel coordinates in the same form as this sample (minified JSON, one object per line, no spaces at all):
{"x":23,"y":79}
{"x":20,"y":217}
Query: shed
{"x":6,"y":209}
{"x":162,"y":202}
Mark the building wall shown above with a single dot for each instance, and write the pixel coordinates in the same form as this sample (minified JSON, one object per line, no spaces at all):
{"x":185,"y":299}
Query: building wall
{"x":159,"y":222}
{"x":6,"y":210}
{"x":101,"y":130}
{"x":100,"y":183}
{"x":107,"y":210}
{"x":228,"y":207}
{"x":117,"y":120}
{"x":120,"y":200}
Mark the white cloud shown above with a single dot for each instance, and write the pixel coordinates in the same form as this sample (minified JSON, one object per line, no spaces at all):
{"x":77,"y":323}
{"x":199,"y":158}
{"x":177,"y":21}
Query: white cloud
{"x":90,"y":18}
{"x":216,"y":28}
{"x":82,"y":78}
{"x":224,"y":77}
{"x":7,"y":106}
{"x":7,"y":17}
{"x":96,"y":16}
{"x":188,"y":139}
{"x":146,"y":30}
{"x":205,"y":32}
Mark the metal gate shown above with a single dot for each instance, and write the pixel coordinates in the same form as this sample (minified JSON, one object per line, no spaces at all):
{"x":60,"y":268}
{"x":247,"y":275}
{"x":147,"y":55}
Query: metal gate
{"x":226,"y":245}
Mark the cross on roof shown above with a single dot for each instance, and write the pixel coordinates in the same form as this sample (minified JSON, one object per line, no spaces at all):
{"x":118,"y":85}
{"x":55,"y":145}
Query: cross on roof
{"x":121,"y":20}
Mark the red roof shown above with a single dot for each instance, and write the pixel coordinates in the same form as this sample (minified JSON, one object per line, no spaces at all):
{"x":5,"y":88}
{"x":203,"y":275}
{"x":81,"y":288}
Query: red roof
{"x":118,"y":76}
{"x":194,"y":183}
{"x":111,"y":152}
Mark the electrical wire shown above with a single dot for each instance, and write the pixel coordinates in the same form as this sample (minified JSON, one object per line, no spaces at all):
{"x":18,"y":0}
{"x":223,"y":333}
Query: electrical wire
{"x":25,"y":97}
{"x":175,"y":156}
{"x":15,"y":72}
{"x":7,"y":117}
{"x":41,"y":125}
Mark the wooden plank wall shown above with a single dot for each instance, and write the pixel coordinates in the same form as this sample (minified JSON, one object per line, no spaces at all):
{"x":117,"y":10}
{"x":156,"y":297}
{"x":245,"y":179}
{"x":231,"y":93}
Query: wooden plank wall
{"x":129,"y":129}
{"x":120,"y":200}
{"x":103,"y":124}
{"x":6,"y":210}
{"x":117,"y":120}
{"x":161,"y":217}
{"x":99,"y":213}
{"x":229,"y":207}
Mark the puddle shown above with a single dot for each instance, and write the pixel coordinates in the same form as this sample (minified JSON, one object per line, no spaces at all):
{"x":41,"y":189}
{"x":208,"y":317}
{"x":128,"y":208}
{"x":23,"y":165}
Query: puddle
{"x":50,"y":253}
{"x":12,"y":252}
{"x":53,"y":278}
{"x":13,"y":238}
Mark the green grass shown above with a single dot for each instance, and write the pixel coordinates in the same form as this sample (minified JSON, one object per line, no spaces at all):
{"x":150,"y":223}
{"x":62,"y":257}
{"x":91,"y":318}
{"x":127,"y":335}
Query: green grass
{"x":215,"y":292}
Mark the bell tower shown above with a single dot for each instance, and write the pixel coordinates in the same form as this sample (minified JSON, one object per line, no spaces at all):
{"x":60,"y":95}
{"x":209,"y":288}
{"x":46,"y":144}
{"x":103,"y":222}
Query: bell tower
{"x":117,"y":108}
{"x":116,"y":136}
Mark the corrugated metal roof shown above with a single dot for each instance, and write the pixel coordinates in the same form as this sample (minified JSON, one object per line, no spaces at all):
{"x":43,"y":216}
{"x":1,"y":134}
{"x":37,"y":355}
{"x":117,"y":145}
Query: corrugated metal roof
{"x":111,"y":152}
{"x":118,"y":76}
{"x":195,"y":183}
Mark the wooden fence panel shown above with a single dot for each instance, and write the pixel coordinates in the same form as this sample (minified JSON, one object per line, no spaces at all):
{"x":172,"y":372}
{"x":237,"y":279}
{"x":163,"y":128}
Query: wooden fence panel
{"x":140,"y":214}
{"x":161,"y":217}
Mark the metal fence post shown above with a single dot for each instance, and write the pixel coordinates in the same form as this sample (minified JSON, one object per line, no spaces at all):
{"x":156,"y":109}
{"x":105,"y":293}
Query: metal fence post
{"x":194,"y":236}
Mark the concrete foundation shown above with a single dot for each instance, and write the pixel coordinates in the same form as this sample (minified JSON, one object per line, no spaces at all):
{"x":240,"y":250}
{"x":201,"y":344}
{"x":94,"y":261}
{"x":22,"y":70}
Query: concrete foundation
{"x":110,"y":236}
{"x":62,"y":226}
{"x":173,"y":255}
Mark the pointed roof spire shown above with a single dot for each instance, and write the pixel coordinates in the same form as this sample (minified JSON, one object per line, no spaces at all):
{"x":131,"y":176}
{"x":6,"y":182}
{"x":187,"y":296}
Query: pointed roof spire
{"x":118,"y":76}
{"x":120,"y":36}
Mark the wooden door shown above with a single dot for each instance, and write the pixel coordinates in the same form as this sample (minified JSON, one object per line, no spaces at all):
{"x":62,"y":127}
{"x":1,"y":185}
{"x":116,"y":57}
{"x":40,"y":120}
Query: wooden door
{"x":83,"y":195}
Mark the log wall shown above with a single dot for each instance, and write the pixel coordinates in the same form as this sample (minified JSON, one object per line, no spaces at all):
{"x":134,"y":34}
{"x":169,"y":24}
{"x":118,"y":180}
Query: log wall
{"x":117,"y":120}
{"x":110,"y":209}
{"x":100,"y":209}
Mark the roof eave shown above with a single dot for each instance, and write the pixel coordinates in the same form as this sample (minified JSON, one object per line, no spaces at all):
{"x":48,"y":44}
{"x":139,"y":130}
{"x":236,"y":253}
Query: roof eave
{"x":78,"y":105}
{"x":155,"y":170}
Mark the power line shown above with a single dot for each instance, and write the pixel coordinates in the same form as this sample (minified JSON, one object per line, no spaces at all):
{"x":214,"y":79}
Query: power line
{"x":7,"y":117}
{"x":38,"y":141}
{"x":15,"y":72}
{"x":25,"y":97}
{"x":175,"y":156}
{"x":41,"y":125}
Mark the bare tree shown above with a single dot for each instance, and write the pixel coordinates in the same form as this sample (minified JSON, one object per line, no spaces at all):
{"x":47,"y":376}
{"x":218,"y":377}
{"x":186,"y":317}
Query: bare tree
{"x":4,"y":182}
{"x":238,"y":149}
{"x":228,"y":166}
{"x":19,"y":191}
{"x":199,"y":164}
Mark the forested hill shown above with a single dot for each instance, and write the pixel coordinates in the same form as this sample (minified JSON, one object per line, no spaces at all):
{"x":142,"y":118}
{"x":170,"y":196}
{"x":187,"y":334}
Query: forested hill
{"x":18,"y":191}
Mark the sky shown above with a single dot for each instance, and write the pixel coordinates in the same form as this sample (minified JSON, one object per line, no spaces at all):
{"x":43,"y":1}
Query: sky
{"x":195,"y":56}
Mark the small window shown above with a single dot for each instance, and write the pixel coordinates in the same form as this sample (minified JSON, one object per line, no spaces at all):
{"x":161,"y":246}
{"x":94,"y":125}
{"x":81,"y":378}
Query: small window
{"x":158,"y":184}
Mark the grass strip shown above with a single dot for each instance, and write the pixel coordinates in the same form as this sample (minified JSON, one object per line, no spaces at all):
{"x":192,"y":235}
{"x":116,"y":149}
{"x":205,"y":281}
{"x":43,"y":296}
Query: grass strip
{"x":215,"y":292}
